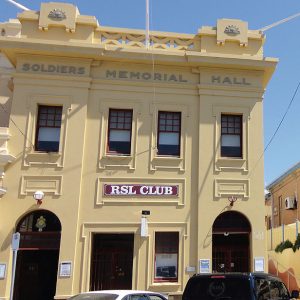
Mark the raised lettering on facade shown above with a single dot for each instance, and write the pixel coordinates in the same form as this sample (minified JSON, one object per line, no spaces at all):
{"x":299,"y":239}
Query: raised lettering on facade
{"x":229,"y":80}
{"x":52,"y":68}
{"x":123,"y":74}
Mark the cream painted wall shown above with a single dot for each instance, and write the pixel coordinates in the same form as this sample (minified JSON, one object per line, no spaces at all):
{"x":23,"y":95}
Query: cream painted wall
{"x":64,"y":63}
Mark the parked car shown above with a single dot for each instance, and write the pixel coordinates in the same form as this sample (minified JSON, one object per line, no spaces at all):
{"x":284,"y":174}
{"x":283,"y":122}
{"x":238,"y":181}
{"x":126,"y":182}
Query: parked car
{"x":236,"y":286}
{"x":119,"y":295}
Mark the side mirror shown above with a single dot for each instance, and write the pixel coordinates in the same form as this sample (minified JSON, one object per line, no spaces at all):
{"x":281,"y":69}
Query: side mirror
{"x":295,"y":294}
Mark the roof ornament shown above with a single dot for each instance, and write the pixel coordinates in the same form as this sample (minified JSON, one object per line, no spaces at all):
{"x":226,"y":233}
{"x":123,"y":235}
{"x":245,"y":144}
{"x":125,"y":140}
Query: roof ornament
{"x":232,"y":30}
{"x":57,"y":15}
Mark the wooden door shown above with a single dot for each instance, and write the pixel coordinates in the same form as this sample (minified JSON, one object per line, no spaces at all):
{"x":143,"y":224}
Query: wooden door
{"x":36,"y":274}
{"x":111,"y":263}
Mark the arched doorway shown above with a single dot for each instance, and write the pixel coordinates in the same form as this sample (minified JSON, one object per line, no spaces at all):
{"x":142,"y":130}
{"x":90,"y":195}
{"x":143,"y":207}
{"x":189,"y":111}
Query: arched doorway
{"x":230,"y":243}
{"x":37,"y":261}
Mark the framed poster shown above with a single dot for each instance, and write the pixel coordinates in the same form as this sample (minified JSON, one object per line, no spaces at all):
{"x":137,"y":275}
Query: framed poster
{"x":204,"y":266}
{"x":2,"y":271}
{"x":259,"y":264}
{"x":65,"y":269}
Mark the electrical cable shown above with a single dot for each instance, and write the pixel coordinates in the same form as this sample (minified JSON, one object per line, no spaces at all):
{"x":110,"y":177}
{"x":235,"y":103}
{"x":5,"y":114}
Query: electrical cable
{"x":277,"y":129}
{"x":3,"y":108}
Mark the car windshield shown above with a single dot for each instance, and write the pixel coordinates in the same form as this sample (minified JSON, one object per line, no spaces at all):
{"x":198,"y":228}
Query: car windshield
{"x":94,"y":296}
{"x":218,"y":288}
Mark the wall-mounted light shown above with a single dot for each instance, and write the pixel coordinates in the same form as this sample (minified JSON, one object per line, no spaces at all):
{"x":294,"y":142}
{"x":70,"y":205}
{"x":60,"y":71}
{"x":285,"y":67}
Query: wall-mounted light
{"x":39,"y":196}
{"x":144,"y":223}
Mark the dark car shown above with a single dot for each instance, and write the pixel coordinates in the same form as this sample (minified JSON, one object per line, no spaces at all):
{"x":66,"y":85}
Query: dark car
{"x":236,"y":286}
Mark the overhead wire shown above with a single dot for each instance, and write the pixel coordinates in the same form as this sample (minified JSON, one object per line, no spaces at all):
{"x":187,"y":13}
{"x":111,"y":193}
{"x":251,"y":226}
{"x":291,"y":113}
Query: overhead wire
{"x":15,"y":124}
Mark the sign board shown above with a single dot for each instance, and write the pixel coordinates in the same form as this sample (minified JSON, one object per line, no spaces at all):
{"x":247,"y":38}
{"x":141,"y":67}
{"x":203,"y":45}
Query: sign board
{"x":15,"y":241}
{"x":259,"y":264}
{"x":204,"y":266}
{"x":2,"y":271}
{"x":140,"y":190}
{"x":65,"y":269}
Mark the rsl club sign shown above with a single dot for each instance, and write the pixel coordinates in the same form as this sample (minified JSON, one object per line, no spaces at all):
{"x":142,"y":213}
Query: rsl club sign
{"x":140,"y":190}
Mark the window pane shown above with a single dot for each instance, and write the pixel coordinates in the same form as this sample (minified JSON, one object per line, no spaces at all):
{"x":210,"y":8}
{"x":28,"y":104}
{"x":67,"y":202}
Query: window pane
{"x":168,"y":138}
{"x":166,"y":255}
{"x":119,"y":135}
{"x":231,"y":140}
{"x":49,"y":134}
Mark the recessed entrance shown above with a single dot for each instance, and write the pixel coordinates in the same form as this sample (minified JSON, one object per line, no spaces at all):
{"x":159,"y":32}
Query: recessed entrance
{"x":230,"y":243}
{"x":111,"y":262}
{"x":37,"y":260}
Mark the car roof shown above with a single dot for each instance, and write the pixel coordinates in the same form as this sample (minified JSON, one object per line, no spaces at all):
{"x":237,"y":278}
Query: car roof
{"x":123,"y":292}
{"x":235,"y":275}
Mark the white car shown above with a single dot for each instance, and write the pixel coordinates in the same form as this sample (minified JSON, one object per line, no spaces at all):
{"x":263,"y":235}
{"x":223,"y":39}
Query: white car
{"x":119,"y":295}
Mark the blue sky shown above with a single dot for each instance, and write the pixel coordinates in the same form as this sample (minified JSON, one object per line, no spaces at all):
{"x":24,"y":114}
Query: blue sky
{"x":186,"y":16}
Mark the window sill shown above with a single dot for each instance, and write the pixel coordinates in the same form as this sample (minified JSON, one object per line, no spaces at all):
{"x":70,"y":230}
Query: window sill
{"x":167,"y":162}
{"x":117,"y":156}
{"x":229,"y":163}
{"x":48,"y":158}
{"x":162,"y":158}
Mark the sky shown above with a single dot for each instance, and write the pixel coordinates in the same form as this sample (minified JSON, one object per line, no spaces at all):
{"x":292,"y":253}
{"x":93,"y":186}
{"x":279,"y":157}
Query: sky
{"x":187,"y":16}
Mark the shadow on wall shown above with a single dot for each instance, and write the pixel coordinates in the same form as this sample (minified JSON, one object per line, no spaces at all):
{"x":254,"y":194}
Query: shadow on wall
{"x":288,"y":276}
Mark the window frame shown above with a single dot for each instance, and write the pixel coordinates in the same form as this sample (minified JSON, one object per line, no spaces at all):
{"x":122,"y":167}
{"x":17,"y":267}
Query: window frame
{"x":110,"y":110}
{"x":38,"y":126}
{"x":159,"y":131}
{"x":166,"y":279}
{"x":240,"y":134}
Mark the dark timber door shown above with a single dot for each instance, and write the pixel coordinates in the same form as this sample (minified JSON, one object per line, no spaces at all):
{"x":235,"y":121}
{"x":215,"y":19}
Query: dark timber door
{"x":111,"y":262}
{"x":37,"y":260}
{"x":230,"y":243}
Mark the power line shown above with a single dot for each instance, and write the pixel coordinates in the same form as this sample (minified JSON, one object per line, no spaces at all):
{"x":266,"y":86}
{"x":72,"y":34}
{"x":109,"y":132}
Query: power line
{"x":18,"y":5}
{"x":277,"y":129}
{"x":279,"y":22}
{"x":2,"y":106}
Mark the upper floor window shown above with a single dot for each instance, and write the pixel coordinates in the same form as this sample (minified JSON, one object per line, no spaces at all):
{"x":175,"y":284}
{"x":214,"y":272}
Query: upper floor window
{"x":231,"y":135}
{"x":169,"y":126}
{"x":48,"y":128}
{"x":166,"y":256}
{"x":119,"y":131}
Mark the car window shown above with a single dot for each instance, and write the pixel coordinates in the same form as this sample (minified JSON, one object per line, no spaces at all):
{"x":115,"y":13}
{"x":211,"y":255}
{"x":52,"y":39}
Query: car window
{"x":278,"y":290}
{"x":137,"y":297}
{"x":94,"y":296}
{"x":262,"y":289}
{"x":155,"y":297}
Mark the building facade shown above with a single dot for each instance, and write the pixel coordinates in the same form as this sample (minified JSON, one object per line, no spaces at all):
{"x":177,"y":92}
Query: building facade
{"x":282,"y":199}
{"x":131,"y":166}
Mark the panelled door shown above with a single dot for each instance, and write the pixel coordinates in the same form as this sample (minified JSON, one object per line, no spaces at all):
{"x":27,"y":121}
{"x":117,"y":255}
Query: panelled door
{"x":111,"y":262}
{"x":230,"y":243}
{"x":230,"y":259}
